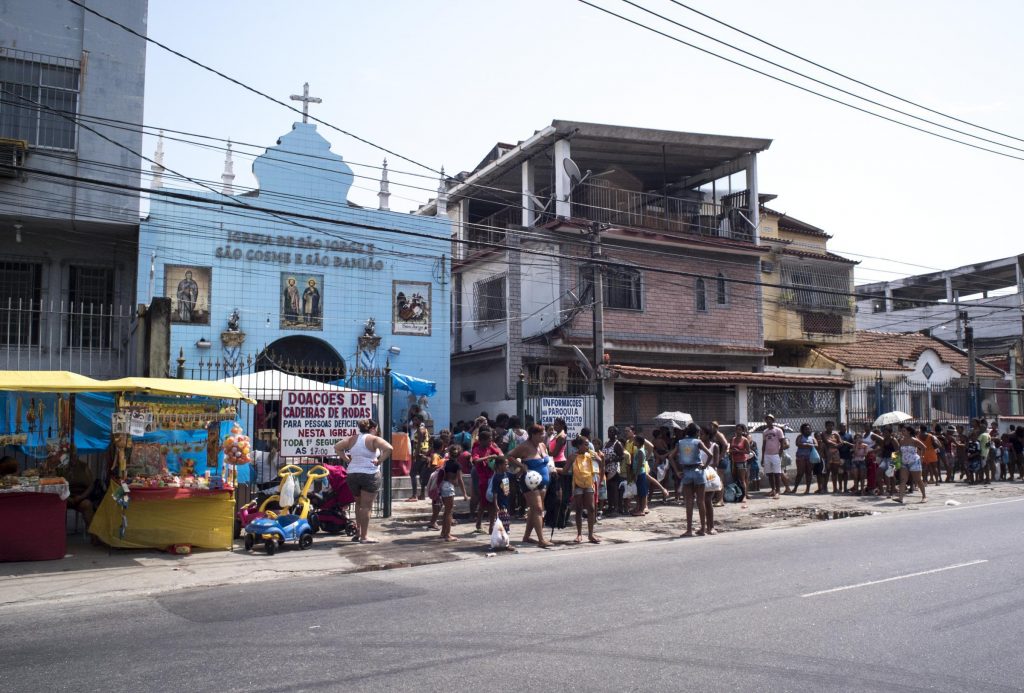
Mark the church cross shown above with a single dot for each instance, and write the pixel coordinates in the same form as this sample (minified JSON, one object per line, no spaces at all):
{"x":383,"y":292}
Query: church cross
{"x":306,"y":99}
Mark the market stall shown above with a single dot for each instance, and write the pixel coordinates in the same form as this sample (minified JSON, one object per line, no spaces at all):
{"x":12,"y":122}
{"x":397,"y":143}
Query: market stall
{"x":174,"y":454}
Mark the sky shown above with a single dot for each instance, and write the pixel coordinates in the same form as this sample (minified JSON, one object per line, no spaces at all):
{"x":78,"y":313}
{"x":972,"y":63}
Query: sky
{"x":441,"y":82}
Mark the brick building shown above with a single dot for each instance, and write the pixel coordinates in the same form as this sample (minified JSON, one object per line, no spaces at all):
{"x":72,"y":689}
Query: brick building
{"x":680,"y":260}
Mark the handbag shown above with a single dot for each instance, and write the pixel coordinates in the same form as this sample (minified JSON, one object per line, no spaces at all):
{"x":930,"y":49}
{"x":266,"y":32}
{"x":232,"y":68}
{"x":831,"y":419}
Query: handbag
{"x":712,"y":482}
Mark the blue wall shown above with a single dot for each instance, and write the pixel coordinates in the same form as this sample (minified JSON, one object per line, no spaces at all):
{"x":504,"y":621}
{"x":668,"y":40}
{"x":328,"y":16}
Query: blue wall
{"x":249,"y":250}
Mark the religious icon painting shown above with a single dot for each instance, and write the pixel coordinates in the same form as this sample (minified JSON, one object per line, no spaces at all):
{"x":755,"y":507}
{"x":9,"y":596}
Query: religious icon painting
{"x":410,"y":308}
{"x":302,"y":301}
{"x":189,"y":289}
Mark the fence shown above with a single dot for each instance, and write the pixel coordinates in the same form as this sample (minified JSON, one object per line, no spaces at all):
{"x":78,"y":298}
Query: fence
{"x":264,"y":376}
{"x":88,"y":338}
{"x":951,"y":402}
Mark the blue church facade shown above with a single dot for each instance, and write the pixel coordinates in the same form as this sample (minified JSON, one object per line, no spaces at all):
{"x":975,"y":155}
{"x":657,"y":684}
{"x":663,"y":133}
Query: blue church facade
{"x":300,"y":273}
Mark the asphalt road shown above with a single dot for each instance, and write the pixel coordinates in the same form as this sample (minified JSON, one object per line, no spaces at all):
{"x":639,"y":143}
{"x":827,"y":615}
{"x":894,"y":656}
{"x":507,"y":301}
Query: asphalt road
{"x":912,"y":601}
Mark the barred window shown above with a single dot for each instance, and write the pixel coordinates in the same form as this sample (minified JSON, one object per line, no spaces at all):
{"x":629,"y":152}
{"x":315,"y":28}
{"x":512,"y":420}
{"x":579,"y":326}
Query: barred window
{"x":700,"y":296}
{"x":21,"y":288}
{"x":490,"y":300}
{"x":721,"y":296}
{"x":622,"y":287}
{"x":38,"y":93}
{"x":91,"y":293}
{"x":817,"y":287}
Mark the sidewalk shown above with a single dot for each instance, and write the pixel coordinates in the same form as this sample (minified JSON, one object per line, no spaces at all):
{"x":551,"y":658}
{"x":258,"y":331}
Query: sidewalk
{"x":90,"y":573}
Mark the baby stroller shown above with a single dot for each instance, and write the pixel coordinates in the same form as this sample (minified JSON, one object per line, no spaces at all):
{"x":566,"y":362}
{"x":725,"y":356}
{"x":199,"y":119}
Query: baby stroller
{"x":330,"y":507}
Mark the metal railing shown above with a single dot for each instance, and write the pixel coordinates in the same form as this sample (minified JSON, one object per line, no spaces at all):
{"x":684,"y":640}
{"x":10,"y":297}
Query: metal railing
{"x":659,"y":212}
{"x":87,"y":338}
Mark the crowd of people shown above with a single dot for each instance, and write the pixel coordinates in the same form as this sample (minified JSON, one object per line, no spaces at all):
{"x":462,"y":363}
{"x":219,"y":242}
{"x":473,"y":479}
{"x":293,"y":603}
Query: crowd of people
{"x":543,"y":476}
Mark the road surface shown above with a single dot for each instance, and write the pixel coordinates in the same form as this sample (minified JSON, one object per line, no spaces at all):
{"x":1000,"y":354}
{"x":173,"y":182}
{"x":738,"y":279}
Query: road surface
{"x":913,"y":601}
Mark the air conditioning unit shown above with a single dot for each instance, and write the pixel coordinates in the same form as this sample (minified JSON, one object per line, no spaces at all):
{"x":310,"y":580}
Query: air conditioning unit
{"x":553,"y":378}
{"x":12,"y":157}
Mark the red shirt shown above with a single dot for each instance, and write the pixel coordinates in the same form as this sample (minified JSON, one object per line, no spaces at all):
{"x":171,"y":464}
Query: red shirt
{"x":483,"y":467}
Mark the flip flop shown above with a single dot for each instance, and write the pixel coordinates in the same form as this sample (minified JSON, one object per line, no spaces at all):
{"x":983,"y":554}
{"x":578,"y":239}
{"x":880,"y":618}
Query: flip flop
{"x":578,"y":540}
{"x":369,"y":541}
{"x":595,"y":540}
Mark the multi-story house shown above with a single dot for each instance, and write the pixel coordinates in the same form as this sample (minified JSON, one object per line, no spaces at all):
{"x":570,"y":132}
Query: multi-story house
{"x":679,"y":255}
{"x":808,"y":292}
{"x":71,"y":97}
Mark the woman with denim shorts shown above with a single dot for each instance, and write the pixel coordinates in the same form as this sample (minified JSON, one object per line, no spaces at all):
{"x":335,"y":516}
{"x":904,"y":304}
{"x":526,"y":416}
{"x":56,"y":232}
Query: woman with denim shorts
{"x":910,"y":454}
{"x":691,"y":474}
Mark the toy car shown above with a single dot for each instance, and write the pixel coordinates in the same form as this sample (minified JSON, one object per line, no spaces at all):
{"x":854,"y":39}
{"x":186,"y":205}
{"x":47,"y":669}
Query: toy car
{"x":276,"y":530}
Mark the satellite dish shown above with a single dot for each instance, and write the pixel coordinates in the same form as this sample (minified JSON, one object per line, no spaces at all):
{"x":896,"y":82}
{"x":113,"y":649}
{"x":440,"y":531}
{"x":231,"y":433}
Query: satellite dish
{"x":572,"y":170}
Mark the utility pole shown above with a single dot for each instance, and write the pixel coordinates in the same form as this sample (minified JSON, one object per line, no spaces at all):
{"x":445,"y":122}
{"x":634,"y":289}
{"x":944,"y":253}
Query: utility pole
{"x":972,"y":375}
{"x":598,"y":327}
{"x":960,"y":316}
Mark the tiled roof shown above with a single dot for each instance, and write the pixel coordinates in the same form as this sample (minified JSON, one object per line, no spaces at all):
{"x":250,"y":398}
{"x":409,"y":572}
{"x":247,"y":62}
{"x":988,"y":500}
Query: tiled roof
{"x":688,"y":377}
{"x":579,"y":339}
{"x":818,"y":256}
{"x":887,"y":350}
{"x":792,"y":224}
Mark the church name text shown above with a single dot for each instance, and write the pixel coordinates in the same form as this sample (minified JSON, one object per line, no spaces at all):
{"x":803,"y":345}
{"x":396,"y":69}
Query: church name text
{"x":317,"y":252}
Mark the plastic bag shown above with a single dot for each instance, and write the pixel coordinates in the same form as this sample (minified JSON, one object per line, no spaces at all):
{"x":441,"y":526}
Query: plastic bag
{"x":712,"y":482}
{"x":786,"y":459}
{"x":890,"y":471}
{"x":289,"y":490}
{"x":499,"y":537}
{"x":662,"y":471}
{"x":630,"y":491}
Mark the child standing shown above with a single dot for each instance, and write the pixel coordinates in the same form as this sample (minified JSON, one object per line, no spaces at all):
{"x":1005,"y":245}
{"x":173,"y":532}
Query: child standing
{"x":500,"y":494}
{"x":452,"y":478}
{"x":584,"y":491}
{"x":860,"y":464}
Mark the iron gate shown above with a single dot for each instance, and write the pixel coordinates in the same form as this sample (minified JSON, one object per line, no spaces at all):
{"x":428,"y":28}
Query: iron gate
{"x":262,"y":377}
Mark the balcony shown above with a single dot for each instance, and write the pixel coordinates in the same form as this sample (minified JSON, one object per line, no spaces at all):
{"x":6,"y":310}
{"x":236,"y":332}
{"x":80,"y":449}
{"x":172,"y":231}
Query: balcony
{"x":665,"y":213}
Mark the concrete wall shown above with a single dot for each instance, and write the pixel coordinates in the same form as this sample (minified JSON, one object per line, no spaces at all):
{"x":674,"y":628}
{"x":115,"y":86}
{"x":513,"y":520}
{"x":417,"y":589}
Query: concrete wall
{"x":540,"y":290}
{"x":477,"y":334}
{"x":112,"y":86}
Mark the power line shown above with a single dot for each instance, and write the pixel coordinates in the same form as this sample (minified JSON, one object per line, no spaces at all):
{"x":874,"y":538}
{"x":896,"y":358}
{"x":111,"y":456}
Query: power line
{"x":815,"y":79}
{"x":245,"y":86}
{"x":844,"y":76}
{"x":791,"y":84}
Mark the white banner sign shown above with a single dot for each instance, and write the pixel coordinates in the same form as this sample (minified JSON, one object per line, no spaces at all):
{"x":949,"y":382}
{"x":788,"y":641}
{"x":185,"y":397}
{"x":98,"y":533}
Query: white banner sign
{"x":313,"y":421}
{"x":571,"y":409}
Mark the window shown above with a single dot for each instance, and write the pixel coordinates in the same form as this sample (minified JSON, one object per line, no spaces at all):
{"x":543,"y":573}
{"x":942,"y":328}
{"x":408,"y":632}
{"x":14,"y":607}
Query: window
{"x":91,"y":294}
{"x":21,"y":288}
{"x":721,"y":297}
{"x":817,"y":287}
{"x":622,"y":287}
{"x":490,"y":300}
{"x":700,"y":296}
{"x":39,"y":93}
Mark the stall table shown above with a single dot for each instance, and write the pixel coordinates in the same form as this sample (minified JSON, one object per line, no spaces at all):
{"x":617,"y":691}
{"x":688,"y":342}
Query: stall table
{"x":32,"y":523}
{"x":162,"y":517}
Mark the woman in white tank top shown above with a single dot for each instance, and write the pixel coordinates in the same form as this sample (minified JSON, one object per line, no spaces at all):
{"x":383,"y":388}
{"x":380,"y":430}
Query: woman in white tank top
{"x":366,"y":452}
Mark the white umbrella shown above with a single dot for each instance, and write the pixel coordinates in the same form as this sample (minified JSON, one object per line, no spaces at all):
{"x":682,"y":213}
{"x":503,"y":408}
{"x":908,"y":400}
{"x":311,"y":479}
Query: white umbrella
{"x":677,"y":418}
{"x":892,"y":417}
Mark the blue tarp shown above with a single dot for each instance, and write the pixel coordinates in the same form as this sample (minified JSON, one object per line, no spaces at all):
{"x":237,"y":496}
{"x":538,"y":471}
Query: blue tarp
{"x":92,"y":429}
{"x":399,"y":381}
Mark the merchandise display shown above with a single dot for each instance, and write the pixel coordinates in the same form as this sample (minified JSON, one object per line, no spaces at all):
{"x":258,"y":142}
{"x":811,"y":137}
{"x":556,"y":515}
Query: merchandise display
{"x":174,"y":451}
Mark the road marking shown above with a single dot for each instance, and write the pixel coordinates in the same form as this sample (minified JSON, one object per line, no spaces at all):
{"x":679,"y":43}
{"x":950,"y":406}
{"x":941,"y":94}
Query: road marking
{"x":898,"y":577}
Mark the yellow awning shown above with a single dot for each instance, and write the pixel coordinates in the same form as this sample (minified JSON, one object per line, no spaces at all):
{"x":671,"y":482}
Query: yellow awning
{"x":173,"y":386}
{"x":65,"y":381}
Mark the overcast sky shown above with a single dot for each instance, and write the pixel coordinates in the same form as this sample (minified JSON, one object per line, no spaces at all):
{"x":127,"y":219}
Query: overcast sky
{"x":440,"y":82}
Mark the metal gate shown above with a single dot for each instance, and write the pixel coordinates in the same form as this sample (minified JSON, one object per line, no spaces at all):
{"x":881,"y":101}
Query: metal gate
{"x":538,"y":385}
{"x":262,"y":378}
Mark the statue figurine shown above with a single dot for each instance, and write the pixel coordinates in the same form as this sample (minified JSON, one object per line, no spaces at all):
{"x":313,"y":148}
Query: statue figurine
{"x":369,"y":329}
{"x":233,"y":321}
